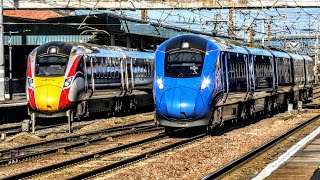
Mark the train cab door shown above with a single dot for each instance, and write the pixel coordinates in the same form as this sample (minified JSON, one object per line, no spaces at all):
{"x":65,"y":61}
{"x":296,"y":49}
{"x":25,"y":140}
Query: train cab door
{"x":225,"y":76}
{"x":90,"y":75}
{"x":251,"y":75}
{"x":84,"y":61}
{"x":131,"y":73}
{"x":123,"y":75}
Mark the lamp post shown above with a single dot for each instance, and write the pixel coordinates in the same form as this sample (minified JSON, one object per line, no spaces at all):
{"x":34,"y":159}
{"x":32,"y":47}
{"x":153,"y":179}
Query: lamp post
{"x":10,"y":58}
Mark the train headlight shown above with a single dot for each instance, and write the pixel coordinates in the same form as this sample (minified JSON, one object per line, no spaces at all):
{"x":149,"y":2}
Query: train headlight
{"x":205,"y":83}
{"x":160,"y":83}
{"x":67,"y":82}
{"x":30,"y":83}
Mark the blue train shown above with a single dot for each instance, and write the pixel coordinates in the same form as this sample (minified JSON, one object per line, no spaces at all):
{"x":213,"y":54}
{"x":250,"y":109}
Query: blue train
{"x":205,"y":81}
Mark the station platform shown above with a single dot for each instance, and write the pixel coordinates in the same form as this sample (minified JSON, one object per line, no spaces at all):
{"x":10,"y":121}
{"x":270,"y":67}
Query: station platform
{"x":15,"y":110}
{"x":303,"y":165}
{"x":17,"y":100}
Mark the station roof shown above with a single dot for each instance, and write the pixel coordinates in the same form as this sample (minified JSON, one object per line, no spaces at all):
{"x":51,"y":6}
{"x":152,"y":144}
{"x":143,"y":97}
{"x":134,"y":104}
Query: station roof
{"x":55,"y":27}
{"x":31,"y":14}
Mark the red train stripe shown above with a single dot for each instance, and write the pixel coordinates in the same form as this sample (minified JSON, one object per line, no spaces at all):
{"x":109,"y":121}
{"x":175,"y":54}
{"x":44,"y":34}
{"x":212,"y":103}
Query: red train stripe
{"x":29,"y":71}
{"x":64,"y":101}
{"x":32,"y":100}
{"x":74,"y":66}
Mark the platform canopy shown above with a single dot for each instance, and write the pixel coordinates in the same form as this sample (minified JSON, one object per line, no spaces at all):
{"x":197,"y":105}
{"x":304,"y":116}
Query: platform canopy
{"x":156,"y":4}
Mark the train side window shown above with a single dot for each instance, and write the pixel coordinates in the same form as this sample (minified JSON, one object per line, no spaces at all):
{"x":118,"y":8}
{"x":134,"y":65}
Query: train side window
{"x":243,"y":70}
{"x":235,"y":70}
{"x":239,"y":70}
{"x":231,"y":70}
{"x":149,"y":70}
{"x":116,"y":69}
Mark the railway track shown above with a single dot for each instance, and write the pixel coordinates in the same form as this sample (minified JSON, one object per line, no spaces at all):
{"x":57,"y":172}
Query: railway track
{"x":13,"y":130}
{"x":99,"y":162}
{"x":229,"y":168}
{"x":12,"y":155}
{"x":18,"y":154}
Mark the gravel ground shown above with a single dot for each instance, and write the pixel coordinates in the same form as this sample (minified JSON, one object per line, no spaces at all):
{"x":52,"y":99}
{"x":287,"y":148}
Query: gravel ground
{"x":9,"y":125}
{"x":56,"y":132}
{"x":108,"y":159}
{"x":70,"y":154}
{"x":196,"y":160}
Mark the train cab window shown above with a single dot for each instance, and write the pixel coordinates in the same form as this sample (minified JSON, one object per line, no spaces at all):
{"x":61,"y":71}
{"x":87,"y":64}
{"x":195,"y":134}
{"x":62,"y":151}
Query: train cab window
{"x":51,"y":65}
{"x":80,"y":66}
{"x":184,"y":64}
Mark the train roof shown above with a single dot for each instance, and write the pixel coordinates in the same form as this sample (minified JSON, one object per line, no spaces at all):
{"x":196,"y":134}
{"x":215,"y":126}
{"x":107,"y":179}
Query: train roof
{"x":230,"y":46}
{"x":108,"y":53}
{"x":257,"y":51}
{"x":115,"y":51}
{"x":296,"y":56}
{"x":236,"y":49}
{"x":307,"y":58}
{"x":227,"y":45}
{"x":139,"y":55}
{"x":280,"y":54}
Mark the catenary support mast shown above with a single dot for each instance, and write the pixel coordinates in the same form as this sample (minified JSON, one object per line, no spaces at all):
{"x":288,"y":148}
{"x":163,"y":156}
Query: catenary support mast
{"x":2,"y":67}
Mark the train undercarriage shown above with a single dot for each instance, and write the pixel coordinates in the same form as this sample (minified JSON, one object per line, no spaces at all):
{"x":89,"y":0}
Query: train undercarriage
{"x":116,"y":105}
{"x":236,"y":109}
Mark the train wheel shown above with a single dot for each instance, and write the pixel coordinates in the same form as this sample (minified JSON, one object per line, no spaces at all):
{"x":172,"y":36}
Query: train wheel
{"x":269,"y":106}
{"x":209,"y":129}
{"x":252,"y":110}
{"x":243,"y":113}
{"x":168,"y":130}
{"x":234,"y":121}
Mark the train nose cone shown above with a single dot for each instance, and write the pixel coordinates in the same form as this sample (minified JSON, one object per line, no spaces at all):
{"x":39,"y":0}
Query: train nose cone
{"x":48,"y":97}
{"x":181,"y":103}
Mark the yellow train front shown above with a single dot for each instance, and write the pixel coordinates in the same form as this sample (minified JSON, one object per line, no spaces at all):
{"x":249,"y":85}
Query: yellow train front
{"x":55,"y":79}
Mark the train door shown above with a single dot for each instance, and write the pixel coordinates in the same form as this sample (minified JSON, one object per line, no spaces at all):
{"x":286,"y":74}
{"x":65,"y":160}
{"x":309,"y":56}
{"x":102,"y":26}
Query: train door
{"x":225,"y":76}
{"x":84,"y":70}
{"x":251,"y":75}
{"x":90,"y":62}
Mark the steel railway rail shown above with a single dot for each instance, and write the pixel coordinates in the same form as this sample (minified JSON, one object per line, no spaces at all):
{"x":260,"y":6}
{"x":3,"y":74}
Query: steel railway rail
{"x":218,"y":174}
{"x":13,"y":130}
{"x":115,"y":154}
{"x":47,"y":147}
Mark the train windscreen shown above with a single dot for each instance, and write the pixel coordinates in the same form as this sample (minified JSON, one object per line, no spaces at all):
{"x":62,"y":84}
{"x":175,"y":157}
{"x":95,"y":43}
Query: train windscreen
{"x":51,"y":65}
{"x":184,"y":64}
